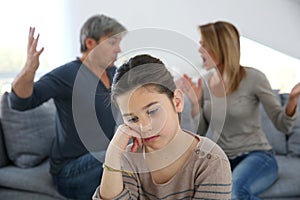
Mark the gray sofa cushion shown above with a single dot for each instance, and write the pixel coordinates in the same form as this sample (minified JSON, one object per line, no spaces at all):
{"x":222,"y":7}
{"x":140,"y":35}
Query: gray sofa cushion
{"x":36,"y":179}
{"x":23,"y":195}
{"x":28,"y":134}
{"x":275,"y":137}
{"x":3,"y":155}
{"x":289,"y":179}
{"x":294,"y":137}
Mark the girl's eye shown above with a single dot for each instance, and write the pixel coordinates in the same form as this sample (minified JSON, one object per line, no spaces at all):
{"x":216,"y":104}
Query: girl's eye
{"x":133,"y":120}
{"x":153,"y":111}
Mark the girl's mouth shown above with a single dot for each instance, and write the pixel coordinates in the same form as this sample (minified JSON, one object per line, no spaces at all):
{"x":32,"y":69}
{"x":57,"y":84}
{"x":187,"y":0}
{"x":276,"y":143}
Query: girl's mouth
{"x":150,"y":139}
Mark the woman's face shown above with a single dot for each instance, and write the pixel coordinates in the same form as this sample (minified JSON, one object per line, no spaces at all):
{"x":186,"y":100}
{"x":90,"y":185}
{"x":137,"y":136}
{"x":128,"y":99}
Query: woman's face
{"x":207,"y":57}
{"x":153,"y":115}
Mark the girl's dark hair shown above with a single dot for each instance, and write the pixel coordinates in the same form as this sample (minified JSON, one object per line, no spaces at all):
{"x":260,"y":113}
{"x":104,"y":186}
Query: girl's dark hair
{"x":143,"y":71}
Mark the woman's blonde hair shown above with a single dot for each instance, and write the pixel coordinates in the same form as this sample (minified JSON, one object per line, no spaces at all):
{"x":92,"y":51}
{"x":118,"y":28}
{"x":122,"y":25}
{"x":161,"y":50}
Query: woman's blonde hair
{"x":222,"y":41}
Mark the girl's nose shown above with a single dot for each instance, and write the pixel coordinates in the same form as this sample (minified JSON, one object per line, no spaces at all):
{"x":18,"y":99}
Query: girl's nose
{"x":146,"y":124}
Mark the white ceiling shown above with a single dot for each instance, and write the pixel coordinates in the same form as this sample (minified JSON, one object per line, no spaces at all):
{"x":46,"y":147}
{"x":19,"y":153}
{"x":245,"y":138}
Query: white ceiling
{"x":274,"y":23}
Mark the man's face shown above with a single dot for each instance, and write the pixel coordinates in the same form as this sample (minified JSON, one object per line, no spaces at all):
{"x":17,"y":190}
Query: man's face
{"x":105,"y":53}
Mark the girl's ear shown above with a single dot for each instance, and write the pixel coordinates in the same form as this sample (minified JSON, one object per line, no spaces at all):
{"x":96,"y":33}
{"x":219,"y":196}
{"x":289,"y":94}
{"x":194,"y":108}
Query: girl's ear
{"x":178,"y":100}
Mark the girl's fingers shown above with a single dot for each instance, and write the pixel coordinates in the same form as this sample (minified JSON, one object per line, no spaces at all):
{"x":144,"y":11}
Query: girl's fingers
{"x":130,"y":131}
{"x":137,"y":142}
{"x":123,"y":136}
{"x":134,"y":146}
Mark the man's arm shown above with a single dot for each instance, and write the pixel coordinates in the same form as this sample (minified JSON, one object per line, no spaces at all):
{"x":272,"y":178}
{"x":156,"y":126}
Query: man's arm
{"x":23,"y":83}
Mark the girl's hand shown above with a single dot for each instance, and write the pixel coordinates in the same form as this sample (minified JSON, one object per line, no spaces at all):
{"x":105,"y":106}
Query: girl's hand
{"x":122,"y":137}
{"x":33,"y":55}
{"x":119,"y":144}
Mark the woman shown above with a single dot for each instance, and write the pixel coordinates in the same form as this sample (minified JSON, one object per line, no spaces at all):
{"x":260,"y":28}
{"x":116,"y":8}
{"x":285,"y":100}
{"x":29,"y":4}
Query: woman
{"x":253,"y":165}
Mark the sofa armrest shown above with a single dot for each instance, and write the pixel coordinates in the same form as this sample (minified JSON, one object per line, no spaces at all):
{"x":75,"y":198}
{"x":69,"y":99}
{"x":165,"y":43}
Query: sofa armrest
{"x":3,"y":154}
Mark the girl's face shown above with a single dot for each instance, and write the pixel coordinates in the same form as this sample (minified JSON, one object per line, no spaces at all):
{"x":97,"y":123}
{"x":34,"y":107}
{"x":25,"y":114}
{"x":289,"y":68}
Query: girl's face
{"x":153,"y":115}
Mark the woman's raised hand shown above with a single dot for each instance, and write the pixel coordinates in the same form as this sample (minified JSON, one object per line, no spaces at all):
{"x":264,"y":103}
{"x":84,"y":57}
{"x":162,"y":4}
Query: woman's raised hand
{"x":193,"y":91}
{"x":293,"y":100}
{"x":295,"y":92}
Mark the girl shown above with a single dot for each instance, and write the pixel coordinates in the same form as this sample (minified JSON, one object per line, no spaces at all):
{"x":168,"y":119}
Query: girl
{"x":163,"y":161}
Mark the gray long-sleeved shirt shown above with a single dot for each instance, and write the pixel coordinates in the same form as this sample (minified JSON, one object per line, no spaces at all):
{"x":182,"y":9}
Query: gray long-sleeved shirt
{"x":242,"y":126}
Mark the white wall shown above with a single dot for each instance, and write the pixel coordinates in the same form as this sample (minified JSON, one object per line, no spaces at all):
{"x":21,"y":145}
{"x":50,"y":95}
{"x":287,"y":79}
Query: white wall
{"x":274,"y":23}
{"x":16,"y":16}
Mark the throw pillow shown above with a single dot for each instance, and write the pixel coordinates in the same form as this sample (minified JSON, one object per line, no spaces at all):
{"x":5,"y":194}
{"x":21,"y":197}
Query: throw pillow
{"x":28,"y":134}
{"x":294,"y":137}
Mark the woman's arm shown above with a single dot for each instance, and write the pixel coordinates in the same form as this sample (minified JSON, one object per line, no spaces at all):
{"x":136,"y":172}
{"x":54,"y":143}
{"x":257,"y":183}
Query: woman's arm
{"x":283,"y":119}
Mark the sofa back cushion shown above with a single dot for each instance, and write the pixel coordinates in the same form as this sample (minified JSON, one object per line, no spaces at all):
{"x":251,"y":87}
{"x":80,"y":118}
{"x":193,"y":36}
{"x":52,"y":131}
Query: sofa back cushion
{"x":28,"y":135}
{"x":276,"y":139}
{"x":293,"y":143}
{"x":3,"y":154}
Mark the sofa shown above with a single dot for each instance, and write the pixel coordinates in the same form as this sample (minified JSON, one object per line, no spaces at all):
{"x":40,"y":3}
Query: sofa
{"x":25,"y":142}
{"x":287,"y":151}
{"x":26,"y":137}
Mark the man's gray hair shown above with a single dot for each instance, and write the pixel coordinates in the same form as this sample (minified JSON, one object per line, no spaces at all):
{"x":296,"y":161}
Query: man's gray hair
{"x":98,"y":26}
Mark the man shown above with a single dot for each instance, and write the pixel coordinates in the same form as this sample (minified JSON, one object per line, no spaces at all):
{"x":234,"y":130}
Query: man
{"x":75,"y":171}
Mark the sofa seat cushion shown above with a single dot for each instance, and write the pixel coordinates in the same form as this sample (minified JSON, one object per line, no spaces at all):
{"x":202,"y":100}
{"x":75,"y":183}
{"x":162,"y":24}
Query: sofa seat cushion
{"x":287,"y":185}
{"x":28,"y":135}
{"x":36,"y":179}
{"x":23,"y":195}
